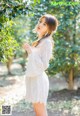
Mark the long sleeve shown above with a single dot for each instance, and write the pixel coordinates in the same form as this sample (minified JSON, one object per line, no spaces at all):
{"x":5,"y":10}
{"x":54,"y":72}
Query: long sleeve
{"x":46,"y":54}
{"x":38,"y":60}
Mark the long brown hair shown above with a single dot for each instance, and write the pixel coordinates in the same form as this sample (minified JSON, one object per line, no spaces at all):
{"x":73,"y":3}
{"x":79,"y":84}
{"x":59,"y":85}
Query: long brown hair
{"x":35,"y":43}
{"x":52,"y":23}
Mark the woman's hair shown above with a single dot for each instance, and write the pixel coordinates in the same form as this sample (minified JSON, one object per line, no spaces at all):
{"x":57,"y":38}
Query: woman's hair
{"x":52,"y":23}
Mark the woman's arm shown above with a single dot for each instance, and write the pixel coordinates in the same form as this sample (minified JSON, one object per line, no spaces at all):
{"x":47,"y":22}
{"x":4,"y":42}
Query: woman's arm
{"x":46,"y":53}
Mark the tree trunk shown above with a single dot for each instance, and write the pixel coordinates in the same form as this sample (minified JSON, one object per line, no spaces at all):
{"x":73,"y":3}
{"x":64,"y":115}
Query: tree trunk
{"x":25,"y":55}
{"x":8,"y":64}
{"x":71,"y":79}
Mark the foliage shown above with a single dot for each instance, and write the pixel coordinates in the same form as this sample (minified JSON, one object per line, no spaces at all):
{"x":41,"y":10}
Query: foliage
{"x":66,"y":56}
{"x":12,"y":8}
{"x":9,"y":10}
{"x":67,"y":43}
{"x":8,"y":44}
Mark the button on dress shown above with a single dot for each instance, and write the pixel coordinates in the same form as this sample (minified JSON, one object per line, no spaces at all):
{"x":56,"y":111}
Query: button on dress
{"x":36,"y":80}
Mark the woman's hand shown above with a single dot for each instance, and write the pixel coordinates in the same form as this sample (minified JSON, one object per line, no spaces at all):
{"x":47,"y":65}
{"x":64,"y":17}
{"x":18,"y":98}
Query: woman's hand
{"x":27,"y":47}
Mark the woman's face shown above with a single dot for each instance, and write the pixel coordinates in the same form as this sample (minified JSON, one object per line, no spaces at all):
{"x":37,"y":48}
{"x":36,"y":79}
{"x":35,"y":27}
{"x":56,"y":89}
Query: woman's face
{"x":42,"y":27}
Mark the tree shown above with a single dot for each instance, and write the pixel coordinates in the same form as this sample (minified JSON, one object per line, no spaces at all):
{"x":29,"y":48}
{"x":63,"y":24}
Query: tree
{"x":9,"y":9}
{"x":67,"y":49}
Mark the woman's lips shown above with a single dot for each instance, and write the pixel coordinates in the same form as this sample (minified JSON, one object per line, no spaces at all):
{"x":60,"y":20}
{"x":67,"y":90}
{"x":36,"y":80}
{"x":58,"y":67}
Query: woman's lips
{"x":38,"y":27}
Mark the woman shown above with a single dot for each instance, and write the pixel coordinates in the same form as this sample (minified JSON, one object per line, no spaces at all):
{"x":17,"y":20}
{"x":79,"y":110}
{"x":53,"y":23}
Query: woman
{"x":39,"y":54}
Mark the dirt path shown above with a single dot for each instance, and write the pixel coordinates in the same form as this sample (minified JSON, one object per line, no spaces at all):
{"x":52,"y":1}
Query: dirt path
{"x":13,"y":93}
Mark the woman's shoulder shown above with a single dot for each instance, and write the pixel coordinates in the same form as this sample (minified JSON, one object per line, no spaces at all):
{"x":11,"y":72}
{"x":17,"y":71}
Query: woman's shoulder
{"x":45,"y":42}
{"x":48,"y":40}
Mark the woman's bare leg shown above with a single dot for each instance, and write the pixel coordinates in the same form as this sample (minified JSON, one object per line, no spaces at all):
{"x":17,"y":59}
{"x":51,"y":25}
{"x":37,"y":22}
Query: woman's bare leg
{"x":40,"y":109}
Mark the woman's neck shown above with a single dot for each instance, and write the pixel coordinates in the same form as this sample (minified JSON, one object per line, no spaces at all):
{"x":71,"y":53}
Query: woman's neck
{"x":40,"y":36}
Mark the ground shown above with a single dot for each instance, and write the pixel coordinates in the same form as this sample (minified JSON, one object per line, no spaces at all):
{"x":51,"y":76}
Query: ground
{"x":61,"y":102}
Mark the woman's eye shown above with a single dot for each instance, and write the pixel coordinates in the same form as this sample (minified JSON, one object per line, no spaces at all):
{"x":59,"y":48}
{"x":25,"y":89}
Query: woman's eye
{"x":44,"y":24}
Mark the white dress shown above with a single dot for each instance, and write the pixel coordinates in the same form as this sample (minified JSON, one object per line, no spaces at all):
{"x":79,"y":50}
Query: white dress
{"x":37,"y":83}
